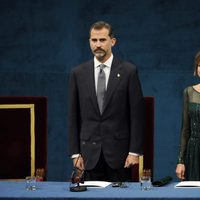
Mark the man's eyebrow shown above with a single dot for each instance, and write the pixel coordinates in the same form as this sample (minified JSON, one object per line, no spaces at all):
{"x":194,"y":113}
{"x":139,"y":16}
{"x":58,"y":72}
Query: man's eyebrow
{"x":101,"y":39}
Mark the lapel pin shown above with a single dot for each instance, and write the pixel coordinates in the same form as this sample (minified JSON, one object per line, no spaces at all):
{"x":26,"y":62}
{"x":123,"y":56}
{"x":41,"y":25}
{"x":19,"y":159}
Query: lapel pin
{"x":118,"y":75}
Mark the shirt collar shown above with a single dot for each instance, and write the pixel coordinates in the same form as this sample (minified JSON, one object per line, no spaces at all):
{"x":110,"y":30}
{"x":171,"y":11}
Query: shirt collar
{"x":108,"y":62}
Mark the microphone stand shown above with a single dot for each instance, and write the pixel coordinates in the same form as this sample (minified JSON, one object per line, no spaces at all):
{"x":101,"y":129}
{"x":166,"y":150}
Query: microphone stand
{"x":78,"y":188}
{"x":77,"y":178}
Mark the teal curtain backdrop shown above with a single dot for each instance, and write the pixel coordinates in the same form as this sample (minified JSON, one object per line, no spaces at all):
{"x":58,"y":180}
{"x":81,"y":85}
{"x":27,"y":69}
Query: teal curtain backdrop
{"x":42,"y":40}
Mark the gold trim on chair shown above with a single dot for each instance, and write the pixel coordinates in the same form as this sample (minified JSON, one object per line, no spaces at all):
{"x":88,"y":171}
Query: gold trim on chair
{"x":141,"y":164}
{"x":32,"y":128}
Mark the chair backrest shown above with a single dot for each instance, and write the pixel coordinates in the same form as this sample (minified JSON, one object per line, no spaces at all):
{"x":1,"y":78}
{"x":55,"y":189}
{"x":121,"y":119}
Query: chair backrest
{"x":146,"y":161}
{"x":23,"y":136}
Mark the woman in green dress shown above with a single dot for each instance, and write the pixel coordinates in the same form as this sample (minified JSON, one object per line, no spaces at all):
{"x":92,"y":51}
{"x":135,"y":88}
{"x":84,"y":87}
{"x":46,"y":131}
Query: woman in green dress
{"x":188,"y":167}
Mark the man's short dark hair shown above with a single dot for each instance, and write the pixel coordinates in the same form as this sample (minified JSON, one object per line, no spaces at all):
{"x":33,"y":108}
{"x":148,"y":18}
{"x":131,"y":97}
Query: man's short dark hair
{"x":102,"y":24}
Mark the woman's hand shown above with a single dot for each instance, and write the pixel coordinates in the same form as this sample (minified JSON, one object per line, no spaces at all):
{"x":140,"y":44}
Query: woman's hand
{"x":180,"y":171}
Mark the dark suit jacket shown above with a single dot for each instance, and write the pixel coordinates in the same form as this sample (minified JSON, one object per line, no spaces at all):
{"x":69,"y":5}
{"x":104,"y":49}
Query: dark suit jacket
{"x":119,"y":129}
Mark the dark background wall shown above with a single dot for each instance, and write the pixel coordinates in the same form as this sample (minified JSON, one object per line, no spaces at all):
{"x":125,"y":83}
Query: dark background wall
{"x":41,"y":40}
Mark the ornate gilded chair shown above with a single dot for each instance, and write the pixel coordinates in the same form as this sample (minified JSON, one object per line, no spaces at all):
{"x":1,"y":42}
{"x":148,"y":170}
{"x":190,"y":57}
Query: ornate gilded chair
{"x":23,"y":136}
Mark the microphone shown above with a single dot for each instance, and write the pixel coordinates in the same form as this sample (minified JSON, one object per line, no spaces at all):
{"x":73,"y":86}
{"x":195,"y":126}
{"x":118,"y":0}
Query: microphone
{"x":77,"y":177}
{"x":162,"y":181}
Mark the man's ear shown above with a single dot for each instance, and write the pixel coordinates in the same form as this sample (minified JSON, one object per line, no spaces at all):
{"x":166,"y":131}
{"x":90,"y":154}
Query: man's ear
{"x":114,"y":41}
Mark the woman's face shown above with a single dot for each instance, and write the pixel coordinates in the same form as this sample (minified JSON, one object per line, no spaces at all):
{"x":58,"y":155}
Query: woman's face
{"x":198,"y":69}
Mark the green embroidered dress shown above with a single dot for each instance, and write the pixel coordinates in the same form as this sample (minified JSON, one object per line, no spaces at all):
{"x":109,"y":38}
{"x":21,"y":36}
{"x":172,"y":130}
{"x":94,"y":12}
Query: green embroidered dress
{"x":189,"y":153}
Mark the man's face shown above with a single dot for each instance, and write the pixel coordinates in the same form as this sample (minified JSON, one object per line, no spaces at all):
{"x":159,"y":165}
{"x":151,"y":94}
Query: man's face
{"x":101,"y":44}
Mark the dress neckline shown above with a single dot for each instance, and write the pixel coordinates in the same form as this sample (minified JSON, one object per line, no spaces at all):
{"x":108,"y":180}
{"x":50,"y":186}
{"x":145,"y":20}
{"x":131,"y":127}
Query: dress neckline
{"x":195,"y":90}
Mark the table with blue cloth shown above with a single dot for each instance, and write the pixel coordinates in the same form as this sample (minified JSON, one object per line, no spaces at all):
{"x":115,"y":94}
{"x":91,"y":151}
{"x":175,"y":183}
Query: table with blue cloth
{"x":60,"y":191}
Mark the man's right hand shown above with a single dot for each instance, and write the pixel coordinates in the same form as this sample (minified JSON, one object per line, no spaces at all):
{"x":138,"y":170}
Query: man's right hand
{"x":78,"y":163}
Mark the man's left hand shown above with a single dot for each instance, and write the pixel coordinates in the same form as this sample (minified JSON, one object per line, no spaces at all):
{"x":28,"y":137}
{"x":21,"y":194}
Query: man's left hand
{"x":131,"y":160}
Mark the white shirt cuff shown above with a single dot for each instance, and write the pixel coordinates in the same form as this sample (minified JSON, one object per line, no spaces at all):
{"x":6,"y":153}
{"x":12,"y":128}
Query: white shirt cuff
{"x":75,"y":155}
{"x":134,"y":154}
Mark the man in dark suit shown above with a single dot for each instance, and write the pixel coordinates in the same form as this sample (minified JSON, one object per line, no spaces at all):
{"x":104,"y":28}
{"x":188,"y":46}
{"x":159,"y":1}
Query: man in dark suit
{"x":105,"y":134}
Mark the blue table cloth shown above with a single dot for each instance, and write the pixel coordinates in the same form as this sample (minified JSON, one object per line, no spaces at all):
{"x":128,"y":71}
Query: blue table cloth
{"x":60,"y":190}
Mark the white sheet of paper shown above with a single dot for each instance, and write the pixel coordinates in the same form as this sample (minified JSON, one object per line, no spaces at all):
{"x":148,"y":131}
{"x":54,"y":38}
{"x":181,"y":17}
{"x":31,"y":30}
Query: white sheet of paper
{"x":96,"y":184}
{"x":188,"y":184}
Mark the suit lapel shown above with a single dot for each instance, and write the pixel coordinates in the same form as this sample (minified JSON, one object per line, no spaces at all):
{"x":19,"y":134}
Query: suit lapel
{"x":114,"y":80}
{"x":89,"y":74}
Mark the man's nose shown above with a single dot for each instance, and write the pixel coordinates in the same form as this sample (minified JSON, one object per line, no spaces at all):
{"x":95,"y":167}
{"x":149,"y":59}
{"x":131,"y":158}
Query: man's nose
{"x":98,"y":43}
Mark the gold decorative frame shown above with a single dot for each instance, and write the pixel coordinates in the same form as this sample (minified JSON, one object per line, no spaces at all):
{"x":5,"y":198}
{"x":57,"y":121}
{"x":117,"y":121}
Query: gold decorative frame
{"x":32,"y":128}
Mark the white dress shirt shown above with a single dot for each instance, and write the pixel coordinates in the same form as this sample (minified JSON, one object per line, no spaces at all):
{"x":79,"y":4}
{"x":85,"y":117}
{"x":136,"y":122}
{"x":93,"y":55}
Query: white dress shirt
{"x":107,"y":69}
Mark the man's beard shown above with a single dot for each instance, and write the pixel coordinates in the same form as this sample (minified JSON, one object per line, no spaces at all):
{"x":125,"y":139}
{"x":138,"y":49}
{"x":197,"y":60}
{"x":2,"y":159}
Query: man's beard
{"x":99,"y":54}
